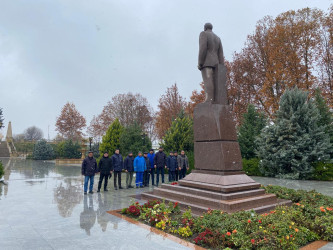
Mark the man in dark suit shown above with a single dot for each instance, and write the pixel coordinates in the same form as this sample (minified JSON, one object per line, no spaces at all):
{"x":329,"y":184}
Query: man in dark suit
{"x":210,"y":54}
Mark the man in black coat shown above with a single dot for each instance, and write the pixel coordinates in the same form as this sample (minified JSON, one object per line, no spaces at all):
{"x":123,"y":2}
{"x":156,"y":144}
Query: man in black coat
{"x":89,"y":169}
{"x":105,"y":169}
{"x":171,"y":165}
{"x":129,"y":169}
{"x":117,"y":164}
{"x":146,"y":173}
{"x":160,"y":164}
{"x":175,"y":154}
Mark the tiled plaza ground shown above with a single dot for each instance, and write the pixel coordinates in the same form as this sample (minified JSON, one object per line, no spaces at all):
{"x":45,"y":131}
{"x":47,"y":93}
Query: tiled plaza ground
{"x":43,"y":207}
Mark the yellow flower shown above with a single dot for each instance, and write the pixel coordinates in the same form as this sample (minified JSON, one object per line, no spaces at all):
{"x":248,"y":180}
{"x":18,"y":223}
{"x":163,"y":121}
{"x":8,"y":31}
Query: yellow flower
{"x":287,"y":237}
{"x":260,"y":227}
{"x":293,"y":223}
{"x":283,"y":212}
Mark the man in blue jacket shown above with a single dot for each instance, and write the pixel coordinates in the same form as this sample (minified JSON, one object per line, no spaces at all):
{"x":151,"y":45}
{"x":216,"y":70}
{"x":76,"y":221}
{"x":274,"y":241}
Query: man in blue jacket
{"x":152,"y":169}
{"x":139,"y":168}
{"x":117,"y":164}
{"x":129,"y":169}
{"x":89,"y":169}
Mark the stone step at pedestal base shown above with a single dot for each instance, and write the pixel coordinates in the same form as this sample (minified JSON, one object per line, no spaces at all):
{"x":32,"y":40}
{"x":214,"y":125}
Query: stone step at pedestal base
{"x":212,"y":194}
{"x":198,"y":210}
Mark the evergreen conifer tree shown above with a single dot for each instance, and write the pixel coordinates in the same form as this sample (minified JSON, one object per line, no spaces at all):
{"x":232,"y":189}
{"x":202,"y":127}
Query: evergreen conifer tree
{"x":43,"y":151}
{"x":252,"y":124}
{"x":326,"y":117}
{"x":111,"y":139}
{"x":134,"y":139}
{"x":180,"y":135}
{"x":289,"y":147}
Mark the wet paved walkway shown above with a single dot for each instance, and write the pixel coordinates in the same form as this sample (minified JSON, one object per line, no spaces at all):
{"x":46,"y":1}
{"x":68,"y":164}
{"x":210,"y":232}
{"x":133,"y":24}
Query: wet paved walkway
{"x":43,"y":207}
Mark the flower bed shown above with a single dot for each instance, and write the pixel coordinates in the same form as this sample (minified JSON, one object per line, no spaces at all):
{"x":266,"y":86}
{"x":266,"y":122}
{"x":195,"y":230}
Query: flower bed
{"x":309,"y":218}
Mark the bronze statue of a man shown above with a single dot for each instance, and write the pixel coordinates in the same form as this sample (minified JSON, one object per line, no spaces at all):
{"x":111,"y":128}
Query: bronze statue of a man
{"x":210,"y":55}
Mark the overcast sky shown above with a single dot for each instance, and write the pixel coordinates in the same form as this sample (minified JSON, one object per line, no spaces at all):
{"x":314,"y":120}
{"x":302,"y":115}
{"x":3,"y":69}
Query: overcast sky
{"x":85,"y":52}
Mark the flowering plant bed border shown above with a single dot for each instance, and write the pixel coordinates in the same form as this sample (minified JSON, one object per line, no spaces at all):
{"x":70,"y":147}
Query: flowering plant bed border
{"x":188,"y":244}
{"x":309,"y":219}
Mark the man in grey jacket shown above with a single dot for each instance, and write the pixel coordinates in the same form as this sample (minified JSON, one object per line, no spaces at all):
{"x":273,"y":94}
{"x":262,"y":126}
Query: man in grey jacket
{"x":183,"y":165}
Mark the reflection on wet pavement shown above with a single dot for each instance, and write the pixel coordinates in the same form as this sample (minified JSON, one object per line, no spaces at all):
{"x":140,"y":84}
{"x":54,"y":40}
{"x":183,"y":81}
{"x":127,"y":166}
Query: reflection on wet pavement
{"x":43,"y":207}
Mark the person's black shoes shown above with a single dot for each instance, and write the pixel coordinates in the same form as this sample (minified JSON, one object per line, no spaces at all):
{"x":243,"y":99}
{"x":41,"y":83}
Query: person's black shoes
{"x":85,"y":192}
{"x":120,"y":187}
{"x":141,"y":186}
{"x":115,"y":188}
{"x":91,"y":192}
{"x":105,"y":190}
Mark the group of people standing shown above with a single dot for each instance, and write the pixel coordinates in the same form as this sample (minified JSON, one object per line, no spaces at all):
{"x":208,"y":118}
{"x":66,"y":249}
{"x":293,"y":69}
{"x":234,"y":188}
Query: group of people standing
{"x":144,"y":166}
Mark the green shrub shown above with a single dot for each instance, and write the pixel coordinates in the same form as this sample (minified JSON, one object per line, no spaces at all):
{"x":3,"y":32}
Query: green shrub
{"x":68,"y":150}
{"x":323,"y":171}
{"x":43,"y":151}
{"x":2,"y":171}
{"x":251,"y":167}
{"x":24,"y":147}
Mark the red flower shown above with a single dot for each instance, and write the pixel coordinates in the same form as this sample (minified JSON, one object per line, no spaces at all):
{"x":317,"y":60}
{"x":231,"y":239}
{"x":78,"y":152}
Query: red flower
{"x":252,"y":241}
{"x":329,"y":209}
{"x":259,"y":221}
{"x":228,"y":233}
{"x":235,"y":231}
{"x":249,"y":221}
{"x":291,"y":236}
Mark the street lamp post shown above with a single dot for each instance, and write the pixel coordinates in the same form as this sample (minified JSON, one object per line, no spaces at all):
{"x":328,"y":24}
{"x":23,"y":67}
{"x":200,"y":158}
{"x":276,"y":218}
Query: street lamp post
{"x":90,"y":141}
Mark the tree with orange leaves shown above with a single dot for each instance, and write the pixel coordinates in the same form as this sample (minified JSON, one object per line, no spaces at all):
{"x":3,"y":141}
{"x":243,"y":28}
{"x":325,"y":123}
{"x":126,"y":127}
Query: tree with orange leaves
{"x":170,"y":105}
{"x":196,"y":98}
{"x":325,"y":60}
{"x":70,"y":123}
{"x":280,"y":54}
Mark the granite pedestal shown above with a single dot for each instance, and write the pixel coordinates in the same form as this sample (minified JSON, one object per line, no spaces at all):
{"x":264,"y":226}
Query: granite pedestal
{"x":218,"y":181}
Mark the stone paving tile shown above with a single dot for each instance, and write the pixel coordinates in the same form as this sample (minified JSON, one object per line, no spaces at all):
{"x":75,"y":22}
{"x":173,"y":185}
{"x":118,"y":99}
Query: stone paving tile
{"x":329,"y":246}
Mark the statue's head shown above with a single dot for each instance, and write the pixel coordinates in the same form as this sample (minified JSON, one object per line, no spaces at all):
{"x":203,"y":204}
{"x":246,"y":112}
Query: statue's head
{"x":208,"y":26}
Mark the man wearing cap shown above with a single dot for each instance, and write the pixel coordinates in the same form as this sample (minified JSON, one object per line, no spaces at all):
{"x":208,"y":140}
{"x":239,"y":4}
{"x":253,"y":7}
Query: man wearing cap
{"x":105,"y":169}
{"x":89,"y":169}
{"x":146,"y":173}
{"x":151,"y":156}
{"x":139,"y":168}
{"x":160,"y":164}
{"x":129,"y":169}
{"x":117,"y":164}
